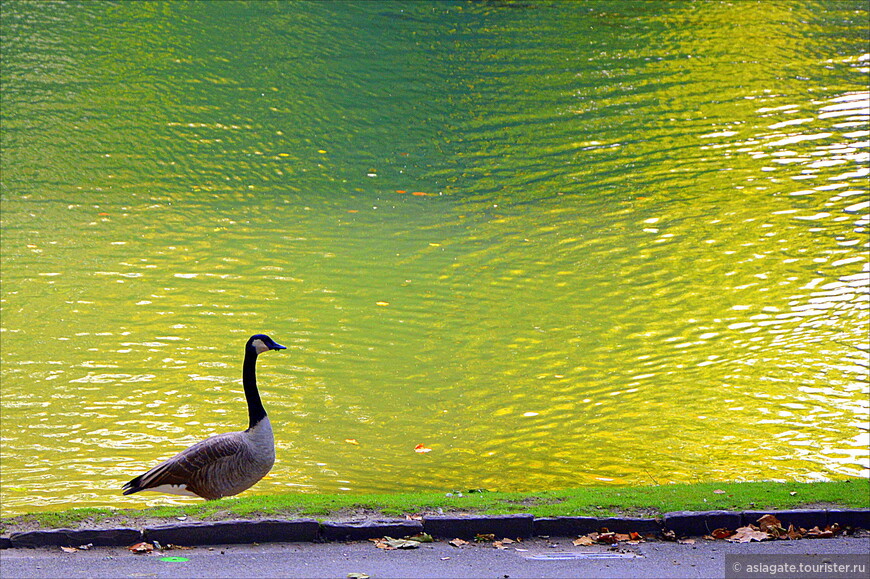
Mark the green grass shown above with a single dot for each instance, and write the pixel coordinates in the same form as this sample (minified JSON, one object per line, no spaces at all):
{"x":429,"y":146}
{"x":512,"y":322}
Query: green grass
{"x":646,"y":501}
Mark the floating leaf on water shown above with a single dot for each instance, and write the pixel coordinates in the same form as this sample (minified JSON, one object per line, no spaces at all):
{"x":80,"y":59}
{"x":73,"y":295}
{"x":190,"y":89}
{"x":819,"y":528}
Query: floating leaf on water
{"x":718,"y":492}
{"x":421,"y":449}
{"x":382,"y":304}
{"x":401,"y":191}
{"x":351,"y":441}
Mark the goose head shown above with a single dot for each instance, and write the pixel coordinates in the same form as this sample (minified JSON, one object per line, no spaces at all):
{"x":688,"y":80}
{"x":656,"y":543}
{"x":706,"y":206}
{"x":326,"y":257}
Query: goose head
{"x":259,"y":343}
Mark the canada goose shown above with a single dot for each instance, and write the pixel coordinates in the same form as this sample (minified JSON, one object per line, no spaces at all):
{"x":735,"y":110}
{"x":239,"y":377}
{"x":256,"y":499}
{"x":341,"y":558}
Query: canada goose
{"x":225,"y":464}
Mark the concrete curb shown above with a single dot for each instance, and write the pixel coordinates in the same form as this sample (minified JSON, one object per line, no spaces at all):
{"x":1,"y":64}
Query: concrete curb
{"x":364,"y":530}
{"x":452,"y":526}
{"x":225,"y":532}
{"x":682,"y":523}
{"x":72,"y":538}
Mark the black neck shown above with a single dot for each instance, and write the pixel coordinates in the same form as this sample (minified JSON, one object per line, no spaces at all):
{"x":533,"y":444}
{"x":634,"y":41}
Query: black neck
{"x":256,"y":412}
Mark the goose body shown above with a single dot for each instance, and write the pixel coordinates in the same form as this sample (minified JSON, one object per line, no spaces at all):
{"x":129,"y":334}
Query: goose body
{"x":225,"y":464}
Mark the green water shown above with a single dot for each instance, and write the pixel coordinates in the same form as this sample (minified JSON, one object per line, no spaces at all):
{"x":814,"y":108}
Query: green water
{"x":559,"y":244}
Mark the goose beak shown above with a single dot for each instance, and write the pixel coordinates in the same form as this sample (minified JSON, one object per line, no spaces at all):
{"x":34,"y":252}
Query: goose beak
{"x":277,"y":346}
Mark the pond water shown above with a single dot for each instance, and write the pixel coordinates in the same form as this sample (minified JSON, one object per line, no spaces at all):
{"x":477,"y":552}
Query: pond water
{"x":559,"y":244}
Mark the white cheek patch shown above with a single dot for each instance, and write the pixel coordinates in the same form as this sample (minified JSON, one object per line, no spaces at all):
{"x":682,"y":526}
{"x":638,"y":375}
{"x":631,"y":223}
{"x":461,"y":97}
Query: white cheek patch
{"x":260,"y":346}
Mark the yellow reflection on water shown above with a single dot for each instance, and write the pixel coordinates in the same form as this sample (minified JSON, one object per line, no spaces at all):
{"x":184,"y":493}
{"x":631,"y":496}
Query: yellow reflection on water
{"x":631,"y":255}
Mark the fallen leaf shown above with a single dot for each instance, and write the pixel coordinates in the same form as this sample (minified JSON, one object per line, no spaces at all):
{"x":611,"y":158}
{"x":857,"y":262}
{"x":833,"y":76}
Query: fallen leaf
{"x":69,"y":549}
{"x":421,"y":449}
{"x":418,"y":194}
{"x":721,"y":533}
{"x":457,"y":542}
{"x":747,"y":535}
{"x":422,"y":538}
{"x":622,"y":537}
{"x":401,"y":191}
{"x":499,"y":545}
{"x":686,"y":541}
{"x":791,"y":534}
{"x":768,"y":521}
{"x":357,"y":576}
{"x":351,"y":441}
{"x":389,"y":543}
{"x":718,"y":492}
{"x":606,"y":538}
{"x":771,"y":525}
{"x":583,"y":541}
{"x":793,"y":493}
{"x":85,"y":547}
{"x":382,"y":304}
{"x":817,"y":533}
{"x":484,"y":537}
{"x":669,"y":535}
{"x":632,"y":536}
{"x":141,"y":548}
{"x":507,"y":541}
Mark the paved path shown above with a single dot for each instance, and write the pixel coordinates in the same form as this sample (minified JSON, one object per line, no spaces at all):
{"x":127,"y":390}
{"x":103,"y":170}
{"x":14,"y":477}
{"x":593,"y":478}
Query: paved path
{"x":541,"y":558}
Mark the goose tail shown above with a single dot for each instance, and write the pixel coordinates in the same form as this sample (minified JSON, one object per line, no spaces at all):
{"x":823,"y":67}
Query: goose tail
{"x":133,"y":486}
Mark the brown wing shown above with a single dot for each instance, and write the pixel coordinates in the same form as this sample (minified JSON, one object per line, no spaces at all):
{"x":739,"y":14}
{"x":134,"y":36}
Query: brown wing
{"x":184,"y":467}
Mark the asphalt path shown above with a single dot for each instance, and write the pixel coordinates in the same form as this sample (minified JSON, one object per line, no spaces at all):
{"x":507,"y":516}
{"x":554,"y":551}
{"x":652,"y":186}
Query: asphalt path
{"x":533,"y":558}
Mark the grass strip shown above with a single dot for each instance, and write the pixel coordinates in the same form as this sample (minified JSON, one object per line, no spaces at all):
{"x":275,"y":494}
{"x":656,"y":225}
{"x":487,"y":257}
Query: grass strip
{"x":641,"y":501}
